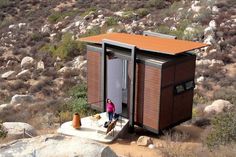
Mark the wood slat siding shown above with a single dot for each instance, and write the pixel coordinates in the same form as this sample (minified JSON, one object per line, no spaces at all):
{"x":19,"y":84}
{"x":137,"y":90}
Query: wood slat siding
{"x":166,"y":109}
{"x":168,"y":76}
{"x":182,"y":107}
{"x":185,"y":71}
{"x":176,"y":108}
{"x":149,"y":79}
{"x":94,"y":79}
{"x":140,"y":96}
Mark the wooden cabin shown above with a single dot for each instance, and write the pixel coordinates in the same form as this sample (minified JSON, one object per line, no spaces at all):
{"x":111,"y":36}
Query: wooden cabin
{"x":149,"y":78}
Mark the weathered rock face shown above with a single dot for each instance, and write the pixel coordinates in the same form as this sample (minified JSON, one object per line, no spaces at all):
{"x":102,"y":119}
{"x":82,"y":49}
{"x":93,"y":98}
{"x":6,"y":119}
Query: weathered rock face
{"x":19,"y":99}
{"x":217,"y":106}
{"x":9,"y":75}
{"x":25,"y":74}
{"x":16,"y":129}
{"x":56,"y":145}
{"x":144,"y":141}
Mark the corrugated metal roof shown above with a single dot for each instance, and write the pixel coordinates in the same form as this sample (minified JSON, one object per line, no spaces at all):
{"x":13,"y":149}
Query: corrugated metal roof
{"x":149,"y":43}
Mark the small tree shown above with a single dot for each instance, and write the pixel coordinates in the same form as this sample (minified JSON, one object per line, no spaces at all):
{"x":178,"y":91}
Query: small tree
{"x":223,"y":129}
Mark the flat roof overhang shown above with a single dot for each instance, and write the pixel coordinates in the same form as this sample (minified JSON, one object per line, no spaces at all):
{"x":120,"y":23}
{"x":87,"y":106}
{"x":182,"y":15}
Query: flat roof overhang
{"x":148,"y":43}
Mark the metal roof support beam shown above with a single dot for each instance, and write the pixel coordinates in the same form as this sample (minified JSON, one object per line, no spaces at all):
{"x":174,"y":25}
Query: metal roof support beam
{"x":154,"y":34}
{"x":132,"y":48}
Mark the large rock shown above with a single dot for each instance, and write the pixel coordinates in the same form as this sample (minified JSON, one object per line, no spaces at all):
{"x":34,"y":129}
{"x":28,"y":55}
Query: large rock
{"x":27,"y":62}
{"x":69,"y":71}
{"x":144,"y":141}
{"x":40,"y":65}
{"x":16,"y":129}
{"x":55,"y":145}
{"x":217,"y":106}
{"x":9,"y":75}
{"x":21,"y":99}
{"x":25,"y":74}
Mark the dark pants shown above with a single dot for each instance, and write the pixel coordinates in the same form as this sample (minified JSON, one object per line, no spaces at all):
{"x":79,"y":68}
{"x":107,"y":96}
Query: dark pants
{"x":110,"y":116}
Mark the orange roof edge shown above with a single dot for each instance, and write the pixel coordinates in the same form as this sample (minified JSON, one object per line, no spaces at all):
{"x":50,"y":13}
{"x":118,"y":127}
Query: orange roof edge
{"x":148,"y":43}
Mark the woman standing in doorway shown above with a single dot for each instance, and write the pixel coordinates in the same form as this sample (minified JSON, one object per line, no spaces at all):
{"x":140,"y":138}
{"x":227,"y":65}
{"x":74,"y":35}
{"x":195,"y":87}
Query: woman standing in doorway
{"x":110,"y":109}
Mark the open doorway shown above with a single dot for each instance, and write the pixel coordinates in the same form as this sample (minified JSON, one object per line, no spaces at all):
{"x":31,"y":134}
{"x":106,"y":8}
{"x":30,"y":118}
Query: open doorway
{"x":117,"y":84}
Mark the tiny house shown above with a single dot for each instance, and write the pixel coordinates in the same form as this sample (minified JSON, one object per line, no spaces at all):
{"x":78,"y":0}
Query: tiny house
{"x":149,"y":78}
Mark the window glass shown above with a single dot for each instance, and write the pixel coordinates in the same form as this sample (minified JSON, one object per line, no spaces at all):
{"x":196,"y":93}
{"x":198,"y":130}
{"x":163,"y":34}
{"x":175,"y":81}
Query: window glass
{"x":179,"y":88}
{"x":189,"y":85}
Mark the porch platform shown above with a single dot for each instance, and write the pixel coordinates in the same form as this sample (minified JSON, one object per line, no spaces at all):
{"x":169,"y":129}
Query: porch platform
{"x":94,"y":130}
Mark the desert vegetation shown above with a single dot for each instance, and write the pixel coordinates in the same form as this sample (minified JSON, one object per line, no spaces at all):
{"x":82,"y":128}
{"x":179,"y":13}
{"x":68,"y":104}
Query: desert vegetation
{"x":43,"y":64}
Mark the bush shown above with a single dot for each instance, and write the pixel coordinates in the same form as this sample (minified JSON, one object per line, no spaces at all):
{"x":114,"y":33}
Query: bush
{"x":155,"y":3}
{"x":65,"y":49}
{"x":91,"y":32}
{"x":111,"y":21}
{"x":142,"y":12}
{"x":4,"y":3}
{"x":57,"y":16}
{"x":223,"y":129}
{"x":3,"y":132}
{"x":77,"y":103}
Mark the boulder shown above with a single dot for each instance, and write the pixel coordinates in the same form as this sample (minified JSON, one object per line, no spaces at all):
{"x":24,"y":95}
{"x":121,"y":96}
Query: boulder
{"x":151,"y":146}
{"x":144,"y":141}
{"x":212,"y":24}
{"x":3,"y":107}
{"x":215,"y":10}
{"x":25,"y":74}
{"x":209,"y":31}
{"x":27,"y":62}
{"x":69,"y":71}
{"x":20,"y":99}
{"x":16,"y":129}
{"x":200,"y":79}
{"x":217,"y":106}
{"x":9,"y":75}
{"x":56,"y":145}
{"x":40,"y":65}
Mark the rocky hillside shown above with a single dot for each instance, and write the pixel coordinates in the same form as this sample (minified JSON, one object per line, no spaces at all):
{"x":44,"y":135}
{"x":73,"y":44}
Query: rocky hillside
{"x":41,"y":57}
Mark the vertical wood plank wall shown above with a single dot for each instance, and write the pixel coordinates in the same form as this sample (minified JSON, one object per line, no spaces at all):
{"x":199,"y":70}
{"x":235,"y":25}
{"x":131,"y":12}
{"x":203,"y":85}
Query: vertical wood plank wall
{"x":182,"y":107}
{"x":176,"y":108}
{"x":94,"y":79}
{"x":148,"y":100}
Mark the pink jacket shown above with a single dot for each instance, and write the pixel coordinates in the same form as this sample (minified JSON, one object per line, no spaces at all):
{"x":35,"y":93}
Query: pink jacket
{"x":110,"y":107}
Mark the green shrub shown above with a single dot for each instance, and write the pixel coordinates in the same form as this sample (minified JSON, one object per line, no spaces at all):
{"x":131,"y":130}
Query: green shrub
{"x":77,"y":103}
{"x":4,"y":3}
{"x":3,"y":132}
{"x":142,"y":12}
{"x":111,"y":21}
{"x":6,"y":21}
{"x":223,"y":129}
{"x":128,"y":14}
{"x":66,"y":48}
{"x":88,"y":11}
{"x":155,"y":3}
{"x":57,"y":16}
{"x":79,"y":91}
{"x":94,"y":31}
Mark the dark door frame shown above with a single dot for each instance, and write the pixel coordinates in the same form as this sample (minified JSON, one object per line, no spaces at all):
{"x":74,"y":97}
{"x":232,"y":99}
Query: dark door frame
{"x":105,"y":44}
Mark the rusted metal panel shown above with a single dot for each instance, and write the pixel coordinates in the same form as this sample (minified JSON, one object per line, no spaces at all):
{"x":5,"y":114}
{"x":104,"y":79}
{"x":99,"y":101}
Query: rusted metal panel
{"x":94,"y":79}
{"x":148,"y":43}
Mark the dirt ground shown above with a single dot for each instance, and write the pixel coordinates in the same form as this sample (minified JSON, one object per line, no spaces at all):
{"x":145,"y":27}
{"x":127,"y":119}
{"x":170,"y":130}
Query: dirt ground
{"x":128,"y":148}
